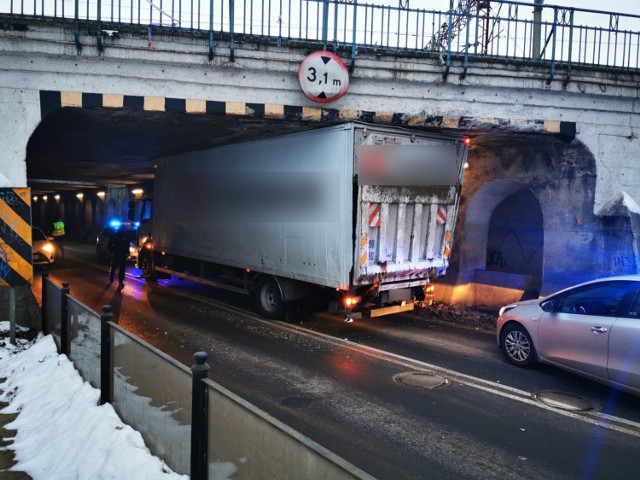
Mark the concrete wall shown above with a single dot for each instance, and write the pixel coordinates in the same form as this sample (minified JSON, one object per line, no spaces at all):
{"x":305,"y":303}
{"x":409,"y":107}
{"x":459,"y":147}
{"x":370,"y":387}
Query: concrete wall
{"x":20,"y":114}
{"x":573,"y":182}
{"x":576,"y":245}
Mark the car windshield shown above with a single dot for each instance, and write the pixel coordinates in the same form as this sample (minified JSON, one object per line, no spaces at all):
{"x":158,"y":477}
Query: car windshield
{"x":38,"y":235}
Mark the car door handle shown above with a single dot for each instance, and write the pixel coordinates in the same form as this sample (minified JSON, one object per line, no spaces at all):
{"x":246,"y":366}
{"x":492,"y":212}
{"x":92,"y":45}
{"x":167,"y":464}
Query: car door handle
{"x":598,"y":329}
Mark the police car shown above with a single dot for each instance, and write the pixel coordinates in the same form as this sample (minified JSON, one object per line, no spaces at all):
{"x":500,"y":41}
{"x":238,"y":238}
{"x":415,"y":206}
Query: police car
{"x":102,"y":240}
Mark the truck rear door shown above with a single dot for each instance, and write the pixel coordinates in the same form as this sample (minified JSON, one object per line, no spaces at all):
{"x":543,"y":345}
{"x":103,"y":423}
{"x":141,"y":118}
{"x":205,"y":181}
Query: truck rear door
{"x":408,"y":193}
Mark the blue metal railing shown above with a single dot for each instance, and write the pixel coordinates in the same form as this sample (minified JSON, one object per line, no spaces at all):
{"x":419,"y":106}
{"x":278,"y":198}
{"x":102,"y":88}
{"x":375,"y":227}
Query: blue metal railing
{"x":466,"y":30}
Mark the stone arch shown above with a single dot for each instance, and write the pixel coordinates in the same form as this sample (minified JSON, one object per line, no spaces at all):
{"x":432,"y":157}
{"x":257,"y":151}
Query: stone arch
{"x":99,"y":213}
{"x":502,"y":213}
{"x":79,"y":212}
{"x":88,"y":213}
{"x":112,"y":209}
{"x":38,"y":214}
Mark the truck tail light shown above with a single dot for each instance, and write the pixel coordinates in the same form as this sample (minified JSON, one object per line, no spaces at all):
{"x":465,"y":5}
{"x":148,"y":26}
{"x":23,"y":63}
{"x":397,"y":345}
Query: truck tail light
{"x":350,"y":301}
{"x":430,"y":290}
{"x":148,"y":245}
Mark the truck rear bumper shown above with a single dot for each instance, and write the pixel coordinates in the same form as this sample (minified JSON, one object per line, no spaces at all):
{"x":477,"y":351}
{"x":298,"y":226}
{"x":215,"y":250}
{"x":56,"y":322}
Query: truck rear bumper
{"x":381,"y":311}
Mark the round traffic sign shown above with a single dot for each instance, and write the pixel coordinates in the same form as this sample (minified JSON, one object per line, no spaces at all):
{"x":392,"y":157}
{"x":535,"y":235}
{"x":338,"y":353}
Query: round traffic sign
{"x":323,"y":77}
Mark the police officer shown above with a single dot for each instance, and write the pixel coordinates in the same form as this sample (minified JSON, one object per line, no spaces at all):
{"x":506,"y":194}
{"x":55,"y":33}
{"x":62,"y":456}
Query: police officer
{"x":119,"y":248}
{"x":58,"y":234}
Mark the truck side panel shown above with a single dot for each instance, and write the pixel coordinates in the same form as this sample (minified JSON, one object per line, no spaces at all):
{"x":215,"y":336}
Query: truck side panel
{"x":281,"y":206}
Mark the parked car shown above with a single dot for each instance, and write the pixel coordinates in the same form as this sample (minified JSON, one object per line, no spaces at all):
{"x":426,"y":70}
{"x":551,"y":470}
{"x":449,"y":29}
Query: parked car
{"x":43,"y":249}
{"x":102,"y":240}
{"x":592,"y":329}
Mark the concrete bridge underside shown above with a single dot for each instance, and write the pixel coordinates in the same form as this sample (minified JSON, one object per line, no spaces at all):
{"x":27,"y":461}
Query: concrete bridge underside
{"x":549,"y":199}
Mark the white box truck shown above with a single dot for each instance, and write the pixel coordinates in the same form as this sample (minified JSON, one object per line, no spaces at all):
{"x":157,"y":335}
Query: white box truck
{"x":363,"y":212}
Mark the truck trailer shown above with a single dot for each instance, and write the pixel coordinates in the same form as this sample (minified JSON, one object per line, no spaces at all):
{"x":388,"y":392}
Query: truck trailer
{"x":362,"y":213}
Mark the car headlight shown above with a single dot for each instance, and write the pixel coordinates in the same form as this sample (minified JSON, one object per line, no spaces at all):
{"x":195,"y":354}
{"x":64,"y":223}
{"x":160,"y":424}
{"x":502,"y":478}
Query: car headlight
{"x":49,"y":248}
{"x":505,"y":309}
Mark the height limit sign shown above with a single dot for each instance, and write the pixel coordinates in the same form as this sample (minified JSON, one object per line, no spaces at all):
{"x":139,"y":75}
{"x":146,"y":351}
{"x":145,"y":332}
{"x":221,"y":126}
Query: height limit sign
{"x":323,"y":77}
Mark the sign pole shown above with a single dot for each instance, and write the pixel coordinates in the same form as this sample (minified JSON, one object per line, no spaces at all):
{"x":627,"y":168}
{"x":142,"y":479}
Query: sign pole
{"x":12,"y":315}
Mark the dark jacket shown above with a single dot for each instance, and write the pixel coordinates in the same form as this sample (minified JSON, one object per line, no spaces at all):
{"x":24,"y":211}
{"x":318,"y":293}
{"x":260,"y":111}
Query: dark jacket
{"x":119,"y":245}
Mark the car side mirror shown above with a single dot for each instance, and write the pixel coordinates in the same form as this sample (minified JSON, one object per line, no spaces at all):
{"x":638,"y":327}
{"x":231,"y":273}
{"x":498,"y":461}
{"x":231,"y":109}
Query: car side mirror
{"x":547,"y":306}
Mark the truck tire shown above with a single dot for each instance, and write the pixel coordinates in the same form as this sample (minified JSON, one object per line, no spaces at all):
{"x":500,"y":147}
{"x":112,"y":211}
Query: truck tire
{"x":146,"y":265}
{"x":268,"y":298}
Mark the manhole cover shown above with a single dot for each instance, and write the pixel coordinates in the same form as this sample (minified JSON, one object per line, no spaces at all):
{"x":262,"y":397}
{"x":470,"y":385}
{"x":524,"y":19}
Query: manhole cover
{"x":565,"y":401}
{"x":421,"y":379}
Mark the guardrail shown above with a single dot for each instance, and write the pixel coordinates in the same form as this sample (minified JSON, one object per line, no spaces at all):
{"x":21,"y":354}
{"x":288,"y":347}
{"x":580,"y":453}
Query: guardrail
{"x":467,"y":30}
{"x":195,"y":425}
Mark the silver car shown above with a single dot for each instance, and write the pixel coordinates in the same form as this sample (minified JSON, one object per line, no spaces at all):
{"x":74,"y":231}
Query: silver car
{"x":592,"y":329}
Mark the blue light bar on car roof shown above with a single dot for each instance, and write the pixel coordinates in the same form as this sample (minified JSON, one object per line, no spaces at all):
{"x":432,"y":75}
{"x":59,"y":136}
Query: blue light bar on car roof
{"x":117,"y":223}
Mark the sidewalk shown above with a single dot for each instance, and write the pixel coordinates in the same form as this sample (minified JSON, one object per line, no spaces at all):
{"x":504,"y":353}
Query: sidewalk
{"x":7,"y":459}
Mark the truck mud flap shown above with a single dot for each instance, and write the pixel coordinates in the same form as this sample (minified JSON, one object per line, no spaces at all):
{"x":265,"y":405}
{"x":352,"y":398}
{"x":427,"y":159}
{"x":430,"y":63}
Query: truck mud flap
{"x":298,"y":309}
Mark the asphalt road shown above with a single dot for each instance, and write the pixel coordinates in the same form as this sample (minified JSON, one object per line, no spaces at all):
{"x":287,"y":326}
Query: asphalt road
{"x":352,"y":387}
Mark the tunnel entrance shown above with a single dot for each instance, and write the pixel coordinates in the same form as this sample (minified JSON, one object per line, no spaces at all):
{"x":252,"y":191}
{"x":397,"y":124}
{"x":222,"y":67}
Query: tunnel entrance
{"x":515,"y":240}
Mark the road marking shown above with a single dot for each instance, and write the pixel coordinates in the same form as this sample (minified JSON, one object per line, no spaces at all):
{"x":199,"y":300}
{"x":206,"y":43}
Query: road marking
{"x":595,"y":418}
{"x":599,"y":419}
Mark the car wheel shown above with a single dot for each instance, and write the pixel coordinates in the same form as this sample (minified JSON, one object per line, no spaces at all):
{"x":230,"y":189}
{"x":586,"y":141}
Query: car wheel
{"x":268,"y":298}
{"x":517,"y":345}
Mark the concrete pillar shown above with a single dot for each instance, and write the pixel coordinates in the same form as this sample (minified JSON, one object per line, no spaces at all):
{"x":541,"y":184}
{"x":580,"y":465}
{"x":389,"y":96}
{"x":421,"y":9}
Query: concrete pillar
{"x":20,"y":113}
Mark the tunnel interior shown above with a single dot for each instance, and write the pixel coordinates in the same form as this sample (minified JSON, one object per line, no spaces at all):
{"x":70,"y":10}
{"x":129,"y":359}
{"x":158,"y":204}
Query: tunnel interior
{"x":82,"y":163}
{"x":515,"y":240}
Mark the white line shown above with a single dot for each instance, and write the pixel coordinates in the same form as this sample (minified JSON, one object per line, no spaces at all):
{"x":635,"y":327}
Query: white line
{"x":601,"y":419}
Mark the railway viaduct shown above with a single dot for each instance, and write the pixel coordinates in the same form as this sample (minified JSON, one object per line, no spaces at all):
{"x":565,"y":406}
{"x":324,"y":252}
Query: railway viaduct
{"x":550,"y":195}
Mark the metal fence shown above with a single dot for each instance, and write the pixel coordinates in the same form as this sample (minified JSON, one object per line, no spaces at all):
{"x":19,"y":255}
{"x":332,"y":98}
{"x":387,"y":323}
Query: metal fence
{"x":196,"y":426}
{"x":461,"y":29}
{"x":84,"y":333}
{"x":152,"y":393}
{"x":51,"y":309}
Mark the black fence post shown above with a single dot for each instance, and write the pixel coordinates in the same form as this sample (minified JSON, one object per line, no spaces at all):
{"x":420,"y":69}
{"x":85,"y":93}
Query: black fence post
{"x":199,"y":418}
{"x":64,"y":324}
{"x":105,"y":355}
{"x":43,"y":311}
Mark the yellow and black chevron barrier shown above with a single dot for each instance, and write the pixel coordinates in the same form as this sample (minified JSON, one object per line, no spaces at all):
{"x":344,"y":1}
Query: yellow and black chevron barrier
{"x":15,"y":237}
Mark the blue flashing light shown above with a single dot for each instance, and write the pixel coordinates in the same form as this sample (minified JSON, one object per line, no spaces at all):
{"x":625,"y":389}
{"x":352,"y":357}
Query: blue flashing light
{"x":115,"y":223}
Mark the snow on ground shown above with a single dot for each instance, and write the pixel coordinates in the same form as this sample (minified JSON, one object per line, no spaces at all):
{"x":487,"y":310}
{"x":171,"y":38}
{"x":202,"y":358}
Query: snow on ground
{"x":62,"y":433}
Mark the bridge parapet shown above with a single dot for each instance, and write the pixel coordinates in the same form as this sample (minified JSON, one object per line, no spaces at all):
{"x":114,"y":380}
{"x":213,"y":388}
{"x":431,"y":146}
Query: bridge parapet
{"x":549,"y":36}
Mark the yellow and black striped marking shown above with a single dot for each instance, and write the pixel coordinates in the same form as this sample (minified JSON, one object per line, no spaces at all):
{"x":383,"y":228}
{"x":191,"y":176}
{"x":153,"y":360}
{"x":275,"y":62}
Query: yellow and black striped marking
{"x":50,"y":101}
{"x":15,"y":237}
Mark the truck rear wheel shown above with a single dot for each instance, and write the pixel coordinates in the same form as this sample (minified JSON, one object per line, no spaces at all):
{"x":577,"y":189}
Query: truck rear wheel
{"x":268,"y":298}
{"x":146,"y":265}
